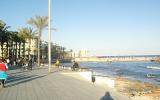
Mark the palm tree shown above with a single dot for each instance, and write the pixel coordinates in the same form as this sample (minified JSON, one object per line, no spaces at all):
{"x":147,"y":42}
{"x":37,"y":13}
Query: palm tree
{"x":27,"y":33}
{"x":40,"y":23}
{"x":4,"y":35}
{"x":9,"y":37}
{"x":15,"y":40}
{"x":23,"y":34}
{"x":21,"y":40}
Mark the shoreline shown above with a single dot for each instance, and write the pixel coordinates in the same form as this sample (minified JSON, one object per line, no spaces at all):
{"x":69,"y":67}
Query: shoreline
{"x":148,"y":76}
{"x":134,"y":89}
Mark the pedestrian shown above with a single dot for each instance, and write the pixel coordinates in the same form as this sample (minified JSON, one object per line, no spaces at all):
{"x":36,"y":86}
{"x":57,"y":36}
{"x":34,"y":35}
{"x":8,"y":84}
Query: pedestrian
{"x":30,"y":63}
{"x":8,"y":61}
{"x":24,"y":64}
{"x":3,"y":74}
{"x":93,"y":78}
{"x":57,"y":63}
{"x":75,"y":65}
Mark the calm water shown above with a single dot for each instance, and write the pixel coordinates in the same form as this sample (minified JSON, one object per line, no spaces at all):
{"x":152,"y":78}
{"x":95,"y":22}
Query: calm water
{"x":131,"y":70}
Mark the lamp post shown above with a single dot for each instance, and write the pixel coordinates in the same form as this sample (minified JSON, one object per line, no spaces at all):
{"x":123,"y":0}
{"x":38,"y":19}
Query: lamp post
{"x":49,"y":35}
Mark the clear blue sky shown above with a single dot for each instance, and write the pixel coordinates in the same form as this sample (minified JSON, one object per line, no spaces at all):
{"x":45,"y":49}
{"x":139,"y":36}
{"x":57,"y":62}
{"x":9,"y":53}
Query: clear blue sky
{"x":104,"y":27}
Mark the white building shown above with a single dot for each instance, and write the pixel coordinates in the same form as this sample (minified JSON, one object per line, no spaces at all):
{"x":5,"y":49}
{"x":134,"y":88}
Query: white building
{"x":81,"y":54}
{"x":33,"y":47}
{"x":12,"y":51}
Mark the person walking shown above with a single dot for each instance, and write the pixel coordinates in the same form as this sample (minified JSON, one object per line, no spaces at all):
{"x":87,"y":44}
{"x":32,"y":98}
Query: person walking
{"x":3,"y":74}
{"x":57,"y":63}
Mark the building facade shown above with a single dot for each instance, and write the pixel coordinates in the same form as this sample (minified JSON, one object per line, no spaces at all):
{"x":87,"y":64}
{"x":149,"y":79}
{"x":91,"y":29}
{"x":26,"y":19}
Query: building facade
{"x":17,"y":50}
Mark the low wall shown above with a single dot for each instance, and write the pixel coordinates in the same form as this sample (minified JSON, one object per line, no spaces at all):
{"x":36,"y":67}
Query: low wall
{"x":100,"y":80}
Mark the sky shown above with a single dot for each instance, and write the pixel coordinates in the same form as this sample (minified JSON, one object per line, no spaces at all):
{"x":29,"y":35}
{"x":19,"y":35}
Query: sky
{"x":103,"y":27}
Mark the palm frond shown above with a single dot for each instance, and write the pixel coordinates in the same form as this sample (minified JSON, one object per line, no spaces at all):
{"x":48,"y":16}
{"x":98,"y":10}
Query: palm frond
{"x":39,"y":22}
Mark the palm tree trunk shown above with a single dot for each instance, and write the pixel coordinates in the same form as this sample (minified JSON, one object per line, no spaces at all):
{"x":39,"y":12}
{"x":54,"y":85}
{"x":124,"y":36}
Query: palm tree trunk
{"x":16,"y":51}
{"x":2,"y":48}
{"x":7,"y":50}
{"x":29,"y":48}
{"x":23,"y":49}
{"x":11,"y":50}
{"x":39,"y":41}
{"x":19,"y":51}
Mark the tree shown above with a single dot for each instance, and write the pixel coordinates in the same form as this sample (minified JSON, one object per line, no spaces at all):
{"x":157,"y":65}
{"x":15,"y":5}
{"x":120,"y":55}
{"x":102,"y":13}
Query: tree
{"x":22,"y":33}
{"x":27,"y":33}
{"x":21,"y":40}
{"x":40,"y":23}
{"x":15,"y":40}
{"x":4,"y":35}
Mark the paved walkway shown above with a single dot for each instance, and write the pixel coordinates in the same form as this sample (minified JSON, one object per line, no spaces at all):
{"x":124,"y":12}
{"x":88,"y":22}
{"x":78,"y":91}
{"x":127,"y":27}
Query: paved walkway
{"x":39,"y":85}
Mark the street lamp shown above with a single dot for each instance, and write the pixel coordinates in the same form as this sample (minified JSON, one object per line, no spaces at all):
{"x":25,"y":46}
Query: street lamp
{"x":49,"y":35}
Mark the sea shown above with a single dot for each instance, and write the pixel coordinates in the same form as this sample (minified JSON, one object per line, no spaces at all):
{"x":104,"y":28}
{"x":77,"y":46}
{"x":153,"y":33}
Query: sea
{"x":148,"y":72}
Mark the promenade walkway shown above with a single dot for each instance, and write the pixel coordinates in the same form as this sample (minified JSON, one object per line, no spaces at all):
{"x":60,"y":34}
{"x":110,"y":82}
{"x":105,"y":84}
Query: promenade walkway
{"x":39,"y":85}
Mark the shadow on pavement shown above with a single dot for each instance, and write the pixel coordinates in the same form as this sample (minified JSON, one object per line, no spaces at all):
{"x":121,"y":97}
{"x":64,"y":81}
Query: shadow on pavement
{"x":12,"y":81}
{"x":107,"y":96}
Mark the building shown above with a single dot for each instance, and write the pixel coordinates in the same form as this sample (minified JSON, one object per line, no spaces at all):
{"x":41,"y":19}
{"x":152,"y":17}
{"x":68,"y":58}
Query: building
{"x":16,"y":50}
{"x":80,"y":54}
{"x":33,"y":47}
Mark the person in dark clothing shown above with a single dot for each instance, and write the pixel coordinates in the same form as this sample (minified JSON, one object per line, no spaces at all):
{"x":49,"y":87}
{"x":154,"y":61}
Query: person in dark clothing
{"x":30,"y":63}
{"x":75,"y":65}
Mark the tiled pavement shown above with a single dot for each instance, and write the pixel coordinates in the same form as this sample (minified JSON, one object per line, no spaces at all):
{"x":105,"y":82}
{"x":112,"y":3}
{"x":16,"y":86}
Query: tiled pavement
{"x":39,"y":85}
